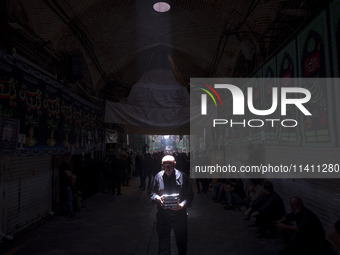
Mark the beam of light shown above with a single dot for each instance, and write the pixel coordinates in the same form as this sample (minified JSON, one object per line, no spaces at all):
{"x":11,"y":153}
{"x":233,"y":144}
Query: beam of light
{"x":161,"y":7}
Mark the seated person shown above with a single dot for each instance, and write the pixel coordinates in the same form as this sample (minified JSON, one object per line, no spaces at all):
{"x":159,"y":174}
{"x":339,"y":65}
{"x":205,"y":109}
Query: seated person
{"x":266,"y":210}
{"x":202,"y":184}
{"x":234,"y":194}
{"x":333,"y":235}
{"x":307,"y":235}
{"x":254,"y":191}
{"x":217,"y":190}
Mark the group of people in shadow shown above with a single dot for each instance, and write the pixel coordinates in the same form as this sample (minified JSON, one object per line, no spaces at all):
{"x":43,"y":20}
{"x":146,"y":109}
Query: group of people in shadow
{"x":119,"y":168}
{"x":300,"y":230}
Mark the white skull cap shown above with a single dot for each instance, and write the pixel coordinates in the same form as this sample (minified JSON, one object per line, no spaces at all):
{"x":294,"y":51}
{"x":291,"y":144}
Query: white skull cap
{"x":168,"y":158}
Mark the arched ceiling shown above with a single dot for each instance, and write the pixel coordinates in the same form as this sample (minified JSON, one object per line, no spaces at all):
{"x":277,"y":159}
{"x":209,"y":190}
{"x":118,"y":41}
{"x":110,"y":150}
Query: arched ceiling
{"x":119,"y":40}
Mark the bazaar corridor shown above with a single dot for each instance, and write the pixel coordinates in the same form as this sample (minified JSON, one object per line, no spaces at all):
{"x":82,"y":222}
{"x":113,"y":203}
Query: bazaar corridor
{"x":126,"y":225}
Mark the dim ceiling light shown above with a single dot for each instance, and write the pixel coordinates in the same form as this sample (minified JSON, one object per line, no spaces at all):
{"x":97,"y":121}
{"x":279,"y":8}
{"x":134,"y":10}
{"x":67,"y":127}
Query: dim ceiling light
{"x":161,"y":7}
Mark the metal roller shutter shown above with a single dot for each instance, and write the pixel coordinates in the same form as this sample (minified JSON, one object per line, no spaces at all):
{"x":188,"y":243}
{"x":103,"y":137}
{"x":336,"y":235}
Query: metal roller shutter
{"x":28,"y":191}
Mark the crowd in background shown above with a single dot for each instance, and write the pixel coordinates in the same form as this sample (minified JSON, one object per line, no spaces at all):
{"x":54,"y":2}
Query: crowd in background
{"x":300,"y":228}
{"x":119,"y":168}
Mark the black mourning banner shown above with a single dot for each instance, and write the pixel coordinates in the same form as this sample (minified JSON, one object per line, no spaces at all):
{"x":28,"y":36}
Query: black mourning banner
{"x":9,"y":129}
{"x":52,"y":118}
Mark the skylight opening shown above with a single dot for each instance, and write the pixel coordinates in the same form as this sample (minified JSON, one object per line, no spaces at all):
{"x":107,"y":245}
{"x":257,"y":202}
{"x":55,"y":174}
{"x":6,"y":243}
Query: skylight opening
{"x":161,"y":7}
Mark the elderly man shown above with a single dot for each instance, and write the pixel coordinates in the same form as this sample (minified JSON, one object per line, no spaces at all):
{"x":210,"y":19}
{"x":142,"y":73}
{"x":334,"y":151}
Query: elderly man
{"x":172,"y":192}
{"x":333,"y":235}
{"x":266,"y":210}
{"x":307,"y":235}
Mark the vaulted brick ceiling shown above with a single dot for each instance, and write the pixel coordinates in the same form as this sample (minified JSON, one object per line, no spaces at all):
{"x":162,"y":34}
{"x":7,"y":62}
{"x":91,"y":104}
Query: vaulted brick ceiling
{"x":120,"y":39}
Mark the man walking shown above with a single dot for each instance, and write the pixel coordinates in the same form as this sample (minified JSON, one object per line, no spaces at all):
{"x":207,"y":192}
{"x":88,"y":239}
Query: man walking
{"x":172,"y":192}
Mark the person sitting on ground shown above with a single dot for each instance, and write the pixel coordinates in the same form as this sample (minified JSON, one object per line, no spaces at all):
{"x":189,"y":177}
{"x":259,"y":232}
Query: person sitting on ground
{"x":234,"y":194}
{"x":254,"y":191}
{"x":306,"y":236}
{"x":266,"y":210}
{"x":333,"y":235}
{"x":217,"y":188}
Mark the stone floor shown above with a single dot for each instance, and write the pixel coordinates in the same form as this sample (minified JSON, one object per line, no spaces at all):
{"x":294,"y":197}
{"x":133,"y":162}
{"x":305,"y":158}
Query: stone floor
{"x":125,"y":225}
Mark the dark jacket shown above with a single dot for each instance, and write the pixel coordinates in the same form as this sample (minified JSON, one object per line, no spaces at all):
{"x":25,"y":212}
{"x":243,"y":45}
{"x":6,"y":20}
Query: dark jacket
{"x":270,"y":205}
{"x":177,"y":183}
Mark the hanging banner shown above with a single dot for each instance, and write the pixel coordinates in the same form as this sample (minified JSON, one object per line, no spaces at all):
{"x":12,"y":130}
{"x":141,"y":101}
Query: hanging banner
{"x":287,"y":68}
{"x":335,"y":35}
{"x":269,"y":73}
{"x":53,"y":119}
{"x":8,"y":90}
{"x":313,"y":64}
{"x":111,"y":136}
{"x":9,"y":129}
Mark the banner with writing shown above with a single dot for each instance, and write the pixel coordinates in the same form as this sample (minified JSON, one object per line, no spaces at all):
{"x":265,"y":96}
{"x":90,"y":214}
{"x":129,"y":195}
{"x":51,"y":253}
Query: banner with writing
{"x":52,"y":118}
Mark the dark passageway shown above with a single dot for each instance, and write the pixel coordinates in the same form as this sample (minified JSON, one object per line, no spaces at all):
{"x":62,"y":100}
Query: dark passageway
{"x":92,"y":92}
{"x":125,"y":225}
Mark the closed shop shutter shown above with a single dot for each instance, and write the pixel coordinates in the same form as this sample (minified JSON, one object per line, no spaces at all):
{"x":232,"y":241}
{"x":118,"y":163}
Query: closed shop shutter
{"x":28,"y":191}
